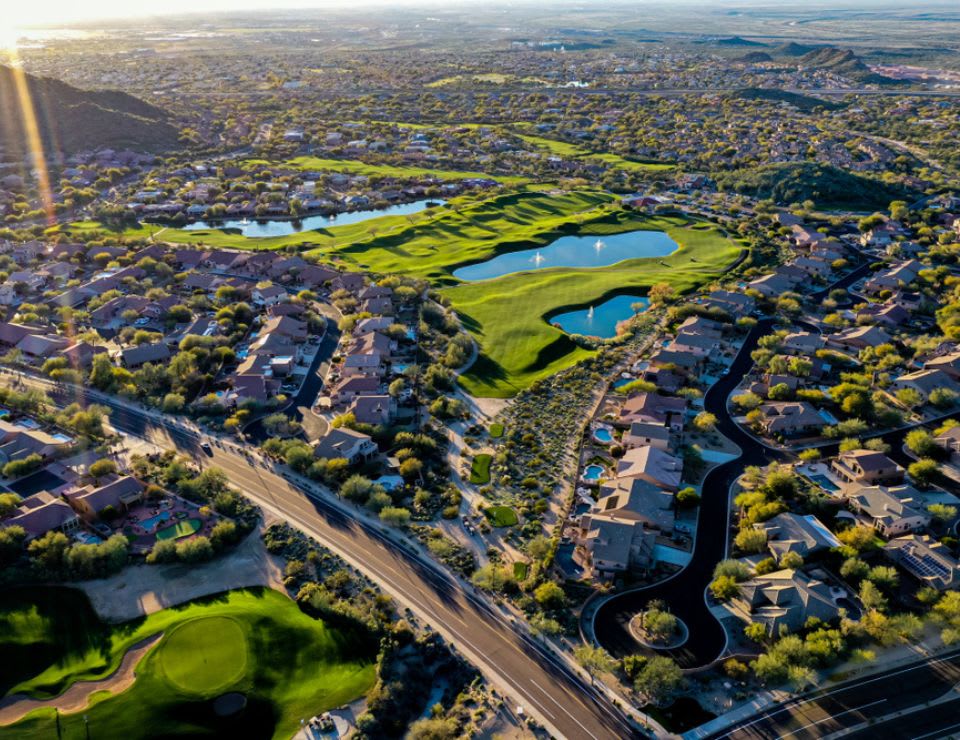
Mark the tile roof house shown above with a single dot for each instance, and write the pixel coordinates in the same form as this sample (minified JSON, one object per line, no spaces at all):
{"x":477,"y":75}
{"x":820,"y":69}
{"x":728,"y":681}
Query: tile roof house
{"x":133,"y":357}
{"x":802,"y":343}
{"x":18,"y":441}
{"x":643,"y":433}
{"x":925,"y":559}
{"x":887,"y":512}
{"x":118,"y":494}
{"x":948,"y":363}
{"x":736,"y":304}
{"x":609,"y":545}
{"x":859,"y":337}
{"x":347,"y":389}
{"x":868,"y":468}
{"x":789,"y":418}
{"x":653,"y":408}
{"x":804,"y":535}
{"x":637,"y":500}
{"x":785,"y":598}
{"x":42,"y":513}
{"x":898,"y":276}
{"x":924,"y":382}
{"x":376,"y":410}
{"x":354,"y":447}
{"x":652,"y":465}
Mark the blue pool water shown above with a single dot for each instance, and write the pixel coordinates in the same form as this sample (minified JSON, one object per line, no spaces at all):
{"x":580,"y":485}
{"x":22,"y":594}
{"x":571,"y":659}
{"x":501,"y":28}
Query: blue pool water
{"x":602,"y":321}
{"x":574,"y":251}
{"x":603,"y":435}
{"x":273,"y":227}
{"x":151,"y":524}
{"x":824,"y":482}
{"x":593,"y":472}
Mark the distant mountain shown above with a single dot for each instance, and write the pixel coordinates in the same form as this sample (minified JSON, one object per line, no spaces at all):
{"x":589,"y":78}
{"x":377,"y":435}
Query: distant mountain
{"x":794,"y":49}
{"x":70,"y":119}
{"x":805,"y":103}
{"x":843,"y":62}
{"x":828,"y":187}
{"x":738,"y":41}
{"x":755,"y":57}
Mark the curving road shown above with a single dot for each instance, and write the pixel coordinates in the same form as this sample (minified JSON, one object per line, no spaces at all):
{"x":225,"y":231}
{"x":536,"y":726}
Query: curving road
{"x":685,"y":591}
{"x":543,"y":685}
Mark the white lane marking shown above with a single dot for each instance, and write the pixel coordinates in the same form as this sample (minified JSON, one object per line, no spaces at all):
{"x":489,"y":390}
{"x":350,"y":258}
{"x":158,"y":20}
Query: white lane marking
{"x":937,"y":732}
{"x":833,"y":716}
{"x":563,"y":709}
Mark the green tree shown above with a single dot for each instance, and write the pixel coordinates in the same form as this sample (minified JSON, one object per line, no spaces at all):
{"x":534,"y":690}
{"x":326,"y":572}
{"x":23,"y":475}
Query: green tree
{"x":594,"y":659}
{"x":751,"y":540}
{"x":549,"y":595}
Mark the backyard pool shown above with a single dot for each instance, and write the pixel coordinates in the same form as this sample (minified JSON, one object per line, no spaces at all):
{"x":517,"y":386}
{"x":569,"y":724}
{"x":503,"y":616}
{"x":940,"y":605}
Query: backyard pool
{"x":574,"y":251}
{"x":600,"y":320}
{"x":824,"y":482}
{"x":151,"y":524}
{"x":260,"y":228}
{"x":603,"y":435}
{"x":593,"y":473}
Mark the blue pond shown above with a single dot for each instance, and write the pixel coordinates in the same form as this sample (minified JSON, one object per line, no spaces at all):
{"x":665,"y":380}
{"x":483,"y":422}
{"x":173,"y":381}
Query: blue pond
{"x":600,"y":320}
{"x":574,"y":251}
{"x":282,"y":227}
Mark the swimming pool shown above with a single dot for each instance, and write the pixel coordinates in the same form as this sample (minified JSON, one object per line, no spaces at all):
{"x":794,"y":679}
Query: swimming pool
{"x":603,"y":435}
{"x":824,"y":482}
{"x":592,"y":472}
{"x":151,"y":524}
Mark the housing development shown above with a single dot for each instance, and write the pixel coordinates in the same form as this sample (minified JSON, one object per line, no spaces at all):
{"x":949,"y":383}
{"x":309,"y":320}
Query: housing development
{"x":509,"y":370}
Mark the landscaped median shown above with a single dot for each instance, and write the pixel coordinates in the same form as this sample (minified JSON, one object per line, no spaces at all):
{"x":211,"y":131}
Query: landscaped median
{"x":254,"y":645}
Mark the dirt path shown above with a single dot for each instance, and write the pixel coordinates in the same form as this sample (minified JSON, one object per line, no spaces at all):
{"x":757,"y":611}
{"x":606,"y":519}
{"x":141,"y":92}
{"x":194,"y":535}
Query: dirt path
{"x":77,"y":697}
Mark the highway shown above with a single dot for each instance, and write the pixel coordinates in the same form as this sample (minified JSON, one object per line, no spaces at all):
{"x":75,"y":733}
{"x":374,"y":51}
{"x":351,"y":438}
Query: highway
{"x":541,"y":684}
{"x":891,"y":704}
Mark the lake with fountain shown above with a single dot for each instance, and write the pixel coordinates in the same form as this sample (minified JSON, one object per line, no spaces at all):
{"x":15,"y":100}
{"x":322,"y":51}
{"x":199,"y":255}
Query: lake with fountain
{"x":261,"y":228}
{"x":600,"y":320}
{"x":573,"y":251}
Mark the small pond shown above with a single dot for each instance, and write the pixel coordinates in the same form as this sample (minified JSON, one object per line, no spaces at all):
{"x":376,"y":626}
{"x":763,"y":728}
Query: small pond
{"x":600,"y":320}
{"x":574,"y":251}
{"x":260,"y":228}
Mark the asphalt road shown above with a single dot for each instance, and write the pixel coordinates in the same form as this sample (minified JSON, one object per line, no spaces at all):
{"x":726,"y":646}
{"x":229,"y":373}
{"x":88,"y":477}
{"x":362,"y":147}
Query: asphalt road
{"x":685,"y":591}
{"x":541,"y":684}
{"x":868,"y":702}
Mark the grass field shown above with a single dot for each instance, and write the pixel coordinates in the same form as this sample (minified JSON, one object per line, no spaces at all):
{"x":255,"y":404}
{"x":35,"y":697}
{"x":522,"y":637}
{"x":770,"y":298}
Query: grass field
{"x":501,"y":516}
{"x":496,"y":430}
{"x":572,"y":151}
{"x":355,"y":167}
{"x":480,"y":469}
{"x":256,"y":642}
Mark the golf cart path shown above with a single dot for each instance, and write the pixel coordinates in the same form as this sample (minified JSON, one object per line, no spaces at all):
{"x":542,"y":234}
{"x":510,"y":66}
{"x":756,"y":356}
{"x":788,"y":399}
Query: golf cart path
{"x":77,"y":697}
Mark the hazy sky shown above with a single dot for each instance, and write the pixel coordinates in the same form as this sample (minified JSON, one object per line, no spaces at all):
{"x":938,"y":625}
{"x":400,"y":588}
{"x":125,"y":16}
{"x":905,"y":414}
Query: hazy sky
{"x":28,"y":12}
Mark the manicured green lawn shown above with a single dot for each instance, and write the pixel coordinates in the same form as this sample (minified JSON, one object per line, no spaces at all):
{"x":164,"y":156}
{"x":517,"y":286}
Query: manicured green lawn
{"x":254,"y":641}
{"x":501,"y":516}
{"x":496,"y":430}
{"x":183,"y":528}
{"x":356,"y":167}
{"x":480,"y":469}
{"x":204,"y":655}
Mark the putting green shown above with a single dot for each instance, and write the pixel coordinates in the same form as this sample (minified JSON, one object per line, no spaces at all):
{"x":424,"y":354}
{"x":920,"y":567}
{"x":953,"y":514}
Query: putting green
{"x":204,"y":656}
{"x":183,"y":528}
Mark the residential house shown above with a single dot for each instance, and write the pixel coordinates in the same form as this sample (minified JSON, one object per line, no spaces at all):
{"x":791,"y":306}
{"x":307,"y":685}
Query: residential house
{"x":638,"y":500}
{"x":925,"y":382}
{"x":653,"y":408}
{"x":119,"y":494}
{"x":134,"y":357}
{"x":653,"y":465}
{"x":348,"y":389}
{"x":643,"y":433}
{"x":19,"y":440}
{"x":736,"y":304}
{"x":42,"y":513}
{"x":375,"y":410}
{"x":802,"y":343}
{"x":789,"y":418}
{"x":868,"y":468}
{"x":354,"y":447}
{"x":925,"y":559}
{"x":785,"y":599}
{"x":803,"y":535}
{"x":891,"y":511}
{"x":859,"y":337}
{"x":896,"y":277}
